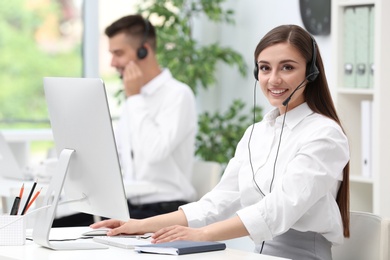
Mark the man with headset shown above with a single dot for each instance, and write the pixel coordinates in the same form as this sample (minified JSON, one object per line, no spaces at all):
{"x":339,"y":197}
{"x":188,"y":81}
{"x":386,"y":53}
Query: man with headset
{"x":157,"y":128}
{"x":156,"y":132}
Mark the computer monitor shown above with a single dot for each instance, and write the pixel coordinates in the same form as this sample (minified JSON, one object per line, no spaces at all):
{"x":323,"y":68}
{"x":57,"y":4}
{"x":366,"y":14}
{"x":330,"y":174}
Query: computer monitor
{"x":89,"y":169}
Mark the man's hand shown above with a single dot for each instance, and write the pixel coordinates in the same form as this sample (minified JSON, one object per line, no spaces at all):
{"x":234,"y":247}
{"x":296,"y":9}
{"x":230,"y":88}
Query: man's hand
{"x":132,"y":79}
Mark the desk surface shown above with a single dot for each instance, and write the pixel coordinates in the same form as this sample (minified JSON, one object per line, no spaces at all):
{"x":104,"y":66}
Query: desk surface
{"x":33,"y":251}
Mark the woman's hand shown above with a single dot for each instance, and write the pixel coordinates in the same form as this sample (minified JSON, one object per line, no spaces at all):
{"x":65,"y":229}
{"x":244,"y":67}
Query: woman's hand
{"x":178,"y":232}
{"x":119,"y":227}
{"x":222,"y":230}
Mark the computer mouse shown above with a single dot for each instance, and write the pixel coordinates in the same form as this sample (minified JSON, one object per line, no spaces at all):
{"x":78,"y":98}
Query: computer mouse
{"x":96,"y":232}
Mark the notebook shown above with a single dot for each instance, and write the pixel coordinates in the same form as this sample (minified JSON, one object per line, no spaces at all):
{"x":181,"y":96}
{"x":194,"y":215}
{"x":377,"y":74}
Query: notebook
{"x":9,"y":167}
{"x":181,"y":247}
{"x":128,"y":242}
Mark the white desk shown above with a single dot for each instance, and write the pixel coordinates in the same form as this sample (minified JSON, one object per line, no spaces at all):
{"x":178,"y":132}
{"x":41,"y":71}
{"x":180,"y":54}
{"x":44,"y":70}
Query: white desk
{"x":33,"y":251}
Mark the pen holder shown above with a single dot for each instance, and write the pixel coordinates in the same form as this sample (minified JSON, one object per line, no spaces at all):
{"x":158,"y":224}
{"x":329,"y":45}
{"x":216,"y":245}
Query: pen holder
{"x":12,"y":230}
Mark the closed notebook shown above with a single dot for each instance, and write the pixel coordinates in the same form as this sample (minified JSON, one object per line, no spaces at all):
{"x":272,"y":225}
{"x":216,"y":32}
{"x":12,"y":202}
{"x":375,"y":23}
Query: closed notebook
{"x":181,"y":247}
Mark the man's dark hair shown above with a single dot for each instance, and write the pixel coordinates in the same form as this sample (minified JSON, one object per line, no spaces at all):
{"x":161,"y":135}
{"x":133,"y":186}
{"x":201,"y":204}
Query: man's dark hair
{"x":134,"y":26}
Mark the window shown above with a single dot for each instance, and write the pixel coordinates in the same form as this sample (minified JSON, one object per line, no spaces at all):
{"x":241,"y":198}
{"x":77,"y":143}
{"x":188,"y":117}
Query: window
{"x":38,"y":38}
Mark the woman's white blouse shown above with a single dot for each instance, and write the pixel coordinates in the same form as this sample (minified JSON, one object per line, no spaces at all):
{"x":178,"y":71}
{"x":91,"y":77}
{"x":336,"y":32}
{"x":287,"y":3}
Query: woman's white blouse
{"x":300,"y":183}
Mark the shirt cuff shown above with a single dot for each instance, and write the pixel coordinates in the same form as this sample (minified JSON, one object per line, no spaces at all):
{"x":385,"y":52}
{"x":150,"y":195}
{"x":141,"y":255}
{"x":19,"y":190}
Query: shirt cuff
{"x":254,"y":224}
{"x":191,"y":210}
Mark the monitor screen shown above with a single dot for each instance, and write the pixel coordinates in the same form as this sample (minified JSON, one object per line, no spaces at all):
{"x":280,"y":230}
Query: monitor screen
{"x":83,"y":135}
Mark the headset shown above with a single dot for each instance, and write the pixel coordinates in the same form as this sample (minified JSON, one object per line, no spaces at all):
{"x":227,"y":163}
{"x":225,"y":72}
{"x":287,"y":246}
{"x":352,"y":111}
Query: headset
{"x":142,"y":52}
{"x":311,"y":69}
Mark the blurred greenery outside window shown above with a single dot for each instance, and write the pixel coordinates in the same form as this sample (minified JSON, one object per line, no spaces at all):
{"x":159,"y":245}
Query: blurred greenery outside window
{"x":38,"y":38}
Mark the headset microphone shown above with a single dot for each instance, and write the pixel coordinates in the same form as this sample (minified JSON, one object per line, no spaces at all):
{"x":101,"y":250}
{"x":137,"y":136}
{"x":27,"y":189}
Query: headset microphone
{"x":285,"y":102}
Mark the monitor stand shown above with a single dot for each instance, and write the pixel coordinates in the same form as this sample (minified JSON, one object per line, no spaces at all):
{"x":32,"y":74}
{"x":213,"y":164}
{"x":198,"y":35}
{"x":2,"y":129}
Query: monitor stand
{"x":45,"y":217}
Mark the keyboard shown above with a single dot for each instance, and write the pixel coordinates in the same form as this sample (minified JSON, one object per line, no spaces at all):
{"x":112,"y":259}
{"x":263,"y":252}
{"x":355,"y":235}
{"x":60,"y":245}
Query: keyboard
{"x":128,"y":242}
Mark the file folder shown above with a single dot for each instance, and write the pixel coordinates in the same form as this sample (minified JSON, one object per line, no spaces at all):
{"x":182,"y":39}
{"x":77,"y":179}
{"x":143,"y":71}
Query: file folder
{"x":362,"y":47}
{"x":349,"y":46}
{"x":371,"y":35}
{"x":366,"y":137}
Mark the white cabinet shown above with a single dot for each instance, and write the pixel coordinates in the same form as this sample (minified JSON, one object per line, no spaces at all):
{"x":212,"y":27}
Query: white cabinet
{"x":371,"y":193}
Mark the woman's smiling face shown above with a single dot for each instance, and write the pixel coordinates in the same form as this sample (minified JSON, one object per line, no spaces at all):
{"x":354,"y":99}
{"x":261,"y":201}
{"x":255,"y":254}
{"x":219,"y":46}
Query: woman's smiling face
{"x":282,"y":69}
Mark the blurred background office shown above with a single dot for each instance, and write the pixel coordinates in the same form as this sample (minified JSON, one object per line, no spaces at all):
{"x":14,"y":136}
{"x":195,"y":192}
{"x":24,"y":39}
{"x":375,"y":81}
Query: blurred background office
{"x":65,"y":38}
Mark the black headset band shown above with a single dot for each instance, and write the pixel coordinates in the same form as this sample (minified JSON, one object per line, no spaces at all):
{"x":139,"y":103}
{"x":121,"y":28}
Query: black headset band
{"x":311,"y":71}
{"x":142,"y":52}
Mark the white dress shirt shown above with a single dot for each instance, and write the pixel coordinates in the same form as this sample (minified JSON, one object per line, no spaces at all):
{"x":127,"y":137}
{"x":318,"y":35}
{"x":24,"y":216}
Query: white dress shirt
{"x":156,"y":139}
{"x":309,"y":168}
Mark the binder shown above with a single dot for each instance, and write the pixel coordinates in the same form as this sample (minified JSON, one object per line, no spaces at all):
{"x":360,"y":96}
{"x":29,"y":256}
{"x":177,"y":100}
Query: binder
{"x":362,"y":46}
{"x":349,"y":46}
{"x":181,"y":247}
{"x":371,"y":35}
{"x":366,"y":138}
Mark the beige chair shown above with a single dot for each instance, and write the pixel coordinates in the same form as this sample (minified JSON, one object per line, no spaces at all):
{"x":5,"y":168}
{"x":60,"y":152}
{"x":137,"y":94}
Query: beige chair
{"x":205,"y":176}
{"x":369,"y":238}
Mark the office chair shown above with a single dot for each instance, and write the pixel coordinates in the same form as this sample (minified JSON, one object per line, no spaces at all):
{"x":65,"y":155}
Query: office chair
{"x":205,"y":176}
{"x":369,"y":238}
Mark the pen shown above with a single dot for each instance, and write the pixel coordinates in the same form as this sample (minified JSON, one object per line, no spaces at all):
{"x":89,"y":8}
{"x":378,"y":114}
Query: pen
{"x":29,"y":197}
{"x":33,"y":199}
{"x":15,"y":206}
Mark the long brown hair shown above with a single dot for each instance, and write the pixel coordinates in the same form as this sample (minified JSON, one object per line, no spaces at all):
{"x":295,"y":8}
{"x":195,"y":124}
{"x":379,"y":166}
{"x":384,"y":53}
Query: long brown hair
{"x":317,"y":94}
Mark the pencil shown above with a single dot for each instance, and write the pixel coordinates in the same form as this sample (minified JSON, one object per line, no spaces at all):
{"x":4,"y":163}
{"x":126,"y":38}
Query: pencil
{"x":21,"y":191}
{"x":29,"y":197}
{"x":33,"y":199}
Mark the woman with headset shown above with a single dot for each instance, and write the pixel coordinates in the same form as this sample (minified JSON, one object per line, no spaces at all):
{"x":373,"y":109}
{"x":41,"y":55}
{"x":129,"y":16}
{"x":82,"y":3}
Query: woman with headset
{"x":287,"y":185}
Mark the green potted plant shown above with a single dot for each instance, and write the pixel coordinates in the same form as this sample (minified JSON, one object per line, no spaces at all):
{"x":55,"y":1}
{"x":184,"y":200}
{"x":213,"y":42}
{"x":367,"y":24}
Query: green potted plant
{"x":218,"y":132}
{"x":177,"y":45}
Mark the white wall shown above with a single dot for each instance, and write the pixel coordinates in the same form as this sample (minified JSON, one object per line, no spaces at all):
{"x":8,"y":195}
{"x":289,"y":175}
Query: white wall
{"x":253,"y":19}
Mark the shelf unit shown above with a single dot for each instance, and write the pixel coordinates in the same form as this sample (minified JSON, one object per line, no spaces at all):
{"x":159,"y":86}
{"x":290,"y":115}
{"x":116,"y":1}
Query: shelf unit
{"x":371,"y":194}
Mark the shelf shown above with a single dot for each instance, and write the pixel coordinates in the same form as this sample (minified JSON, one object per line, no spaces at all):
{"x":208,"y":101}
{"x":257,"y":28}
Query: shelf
{"x":360,"y":179}
{"x":356,"y":91}
{"x":366,"y":194}
{"x":355,"y":2}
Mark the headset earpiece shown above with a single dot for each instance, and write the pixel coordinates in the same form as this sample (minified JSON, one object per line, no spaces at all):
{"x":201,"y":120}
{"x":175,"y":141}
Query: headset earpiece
{"x":312,"y":70}
{"x":256,"y":71}
{"x":142,"y":52}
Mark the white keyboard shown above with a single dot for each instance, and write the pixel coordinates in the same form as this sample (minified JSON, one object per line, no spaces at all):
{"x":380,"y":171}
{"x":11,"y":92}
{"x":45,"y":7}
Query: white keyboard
{"x":122,"y":241}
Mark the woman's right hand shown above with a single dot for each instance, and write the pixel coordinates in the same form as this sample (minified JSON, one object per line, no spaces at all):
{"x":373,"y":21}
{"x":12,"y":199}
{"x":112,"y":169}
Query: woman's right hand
{"x":118,"y":227}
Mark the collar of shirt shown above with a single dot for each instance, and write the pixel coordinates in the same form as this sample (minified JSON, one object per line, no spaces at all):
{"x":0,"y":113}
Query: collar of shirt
{"x":157,"y":82}
{"x":293,"y":117}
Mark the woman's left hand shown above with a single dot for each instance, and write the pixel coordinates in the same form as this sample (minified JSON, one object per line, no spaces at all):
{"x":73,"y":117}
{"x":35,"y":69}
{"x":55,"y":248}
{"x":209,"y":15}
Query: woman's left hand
{"x":178,"y":232}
